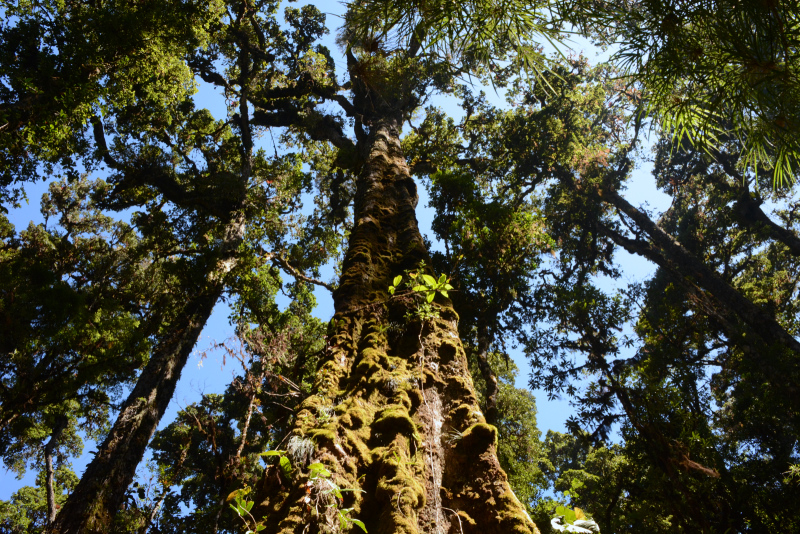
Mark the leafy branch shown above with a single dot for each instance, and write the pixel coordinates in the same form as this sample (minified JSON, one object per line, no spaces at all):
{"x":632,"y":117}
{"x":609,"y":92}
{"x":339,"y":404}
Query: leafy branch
{"x":424,"y":284}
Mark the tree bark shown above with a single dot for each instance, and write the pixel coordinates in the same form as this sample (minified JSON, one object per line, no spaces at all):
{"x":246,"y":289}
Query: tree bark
{"x":94,"y":502}
{"x":484,"y":341}
{"x":407,"y":430}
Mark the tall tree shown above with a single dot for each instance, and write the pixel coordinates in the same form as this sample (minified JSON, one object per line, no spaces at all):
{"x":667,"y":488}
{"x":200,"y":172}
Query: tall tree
{"x":196,"y":213}
{"x":395,"y":375}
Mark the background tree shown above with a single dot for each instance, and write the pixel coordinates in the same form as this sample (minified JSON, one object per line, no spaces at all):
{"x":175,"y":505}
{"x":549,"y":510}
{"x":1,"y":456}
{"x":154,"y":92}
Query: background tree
{"x":710,"y":71}
{"x":28,"y":509}
{"x":144,"y":130}
{"x":695,"y":330}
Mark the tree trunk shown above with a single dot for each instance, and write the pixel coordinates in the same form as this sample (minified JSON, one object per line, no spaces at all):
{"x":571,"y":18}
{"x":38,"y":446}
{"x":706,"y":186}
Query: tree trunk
{"x":407,"y":432}
{"x":484,"y":342}
{"x":94,"y":502}
{"x":49,"y":449}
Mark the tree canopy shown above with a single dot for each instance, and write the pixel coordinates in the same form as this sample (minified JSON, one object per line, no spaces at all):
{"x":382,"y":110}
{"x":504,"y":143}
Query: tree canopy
{"x":400,"y":414}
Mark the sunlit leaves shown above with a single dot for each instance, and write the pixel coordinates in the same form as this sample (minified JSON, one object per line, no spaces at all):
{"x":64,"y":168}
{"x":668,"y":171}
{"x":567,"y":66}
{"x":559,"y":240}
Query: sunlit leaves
{"x":709,"y":70}
{"x":475,"y":32}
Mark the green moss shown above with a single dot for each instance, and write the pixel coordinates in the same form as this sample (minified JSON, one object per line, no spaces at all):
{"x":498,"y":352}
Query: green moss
{"x":433,"y":380}
{"x":311,"y":404}
{"x":369,"y":362}
{"x":459,"y":388}
{"x":447,"y":350}
{"x":512,"y":515}
{"x":393,"y":420}
{"x":415,"y":396}
{"x":320,"y":435}
{"x":477,"y":439}
{"x":401,"y":397}
{"x":466,"y":519}
{"x":461,"y":415}
{"x":354,"y":443}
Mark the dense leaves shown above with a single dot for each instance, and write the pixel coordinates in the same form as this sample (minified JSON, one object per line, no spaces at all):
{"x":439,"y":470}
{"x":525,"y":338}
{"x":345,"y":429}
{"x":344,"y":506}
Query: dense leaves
{"x":710,"y":70}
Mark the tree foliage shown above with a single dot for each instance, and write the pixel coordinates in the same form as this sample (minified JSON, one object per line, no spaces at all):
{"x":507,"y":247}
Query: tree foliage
{"x":710,"y":71}
{"x":401,"y":412}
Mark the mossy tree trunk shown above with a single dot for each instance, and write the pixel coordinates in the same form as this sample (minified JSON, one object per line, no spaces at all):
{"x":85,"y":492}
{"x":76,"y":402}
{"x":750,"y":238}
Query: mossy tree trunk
{"x":394,"y":414}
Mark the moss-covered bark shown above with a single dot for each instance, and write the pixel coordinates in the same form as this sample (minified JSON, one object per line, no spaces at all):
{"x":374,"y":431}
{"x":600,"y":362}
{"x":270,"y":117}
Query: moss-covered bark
{"x":394,"y":413}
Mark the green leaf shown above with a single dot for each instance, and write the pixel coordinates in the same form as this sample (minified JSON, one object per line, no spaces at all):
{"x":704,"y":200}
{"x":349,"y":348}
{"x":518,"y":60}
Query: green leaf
{"x":443,"y":279}
{"x":568,"y":513}
{"x":286,"y":467}
{"x":429,"y":280}
{"x":317,"y":470}
{"x":391,"y":290}
{"x":359,"y":524}
{"x":272,"y":453}
{"x":420,"y":288}
{"x":397,"y":280}
{"x":431,"y":295}
{"x":444,"y":293}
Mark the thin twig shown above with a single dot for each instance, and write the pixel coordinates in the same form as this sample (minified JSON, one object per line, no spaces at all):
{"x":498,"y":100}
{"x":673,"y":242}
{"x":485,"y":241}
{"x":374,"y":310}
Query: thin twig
{"x":457,"y":517}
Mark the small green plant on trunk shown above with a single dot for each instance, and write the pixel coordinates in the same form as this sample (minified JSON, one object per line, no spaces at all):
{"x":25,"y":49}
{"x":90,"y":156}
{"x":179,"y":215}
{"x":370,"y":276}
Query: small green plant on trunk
{"x":242,"y":507}
{"x":423,"y":285}
{"x":326,"y":498}
{"x":323,"y":496}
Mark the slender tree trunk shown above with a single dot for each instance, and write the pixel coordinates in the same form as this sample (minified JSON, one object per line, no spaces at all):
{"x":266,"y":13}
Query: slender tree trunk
{"x":49,"y":450}
{"x":166,"y":485}
{"x":484,"y":342}
{"x":99,"y":494}
{"x":407,"y":430}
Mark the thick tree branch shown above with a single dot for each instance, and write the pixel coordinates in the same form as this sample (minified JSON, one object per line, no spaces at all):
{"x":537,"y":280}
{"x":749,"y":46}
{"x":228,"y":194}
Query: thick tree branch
{"x":748,"y":209}
{"x":688,"y":269}
{"x":318,"y":126}
{"x":102,"y":146}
